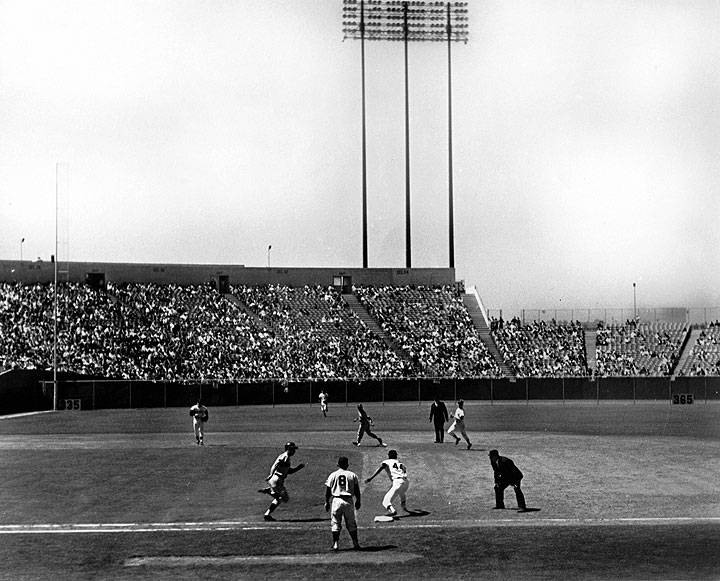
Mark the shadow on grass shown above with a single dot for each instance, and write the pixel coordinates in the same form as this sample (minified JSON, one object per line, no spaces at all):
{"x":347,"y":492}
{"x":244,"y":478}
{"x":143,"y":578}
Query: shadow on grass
{"x":313,"y":519}
{"x":377,"y":549}
{"x":413,"y":513}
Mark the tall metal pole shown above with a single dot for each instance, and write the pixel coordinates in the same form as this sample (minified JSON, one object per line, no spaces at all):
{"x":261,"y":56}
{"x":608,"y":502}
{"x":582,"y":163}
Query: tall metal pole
{"x":451,"y":223}
{"x":364,"y":139}
{"x":634,"y":303}
{"x":408,"y":254}
{"x":55,"y":293}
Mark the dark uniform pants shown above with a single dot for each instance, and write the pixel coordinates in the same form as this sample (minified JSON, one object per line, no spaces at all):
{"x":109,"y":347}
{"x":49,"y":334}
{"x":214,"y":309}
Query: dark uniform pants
{"x":439,"y":432}
{"x":500,"y":494}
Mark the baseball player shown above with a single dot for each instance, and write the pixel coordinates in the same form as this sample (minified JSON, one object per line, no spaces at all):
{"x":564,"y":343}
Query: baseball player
{"x":323,"y":397}
{"x":200,"y":416}
{"x":364,"y":428}
{"x":506,"y":474}
{"x":340,"y":487}
{"x":458,"y":424}
{"x":397,"y":473}
{"x":439,"y":415}
{"x":276,"y":479}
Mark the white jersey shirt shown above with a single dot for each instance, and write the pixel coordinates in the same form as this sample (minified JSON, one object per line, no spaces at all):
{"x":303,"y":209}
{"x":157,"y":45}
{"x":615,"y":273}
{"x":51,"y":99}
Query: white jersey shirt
{"x":281,"y":466}
{"x":322,"y":397}
{"x":343,"y":483}
{"x":459,"y":416}
{"x":395,"y":469}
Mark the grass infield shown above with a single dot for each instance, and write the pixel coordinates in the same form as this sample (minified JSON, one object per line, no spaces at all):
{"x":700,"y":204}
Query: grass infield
{"x":623,"y":491}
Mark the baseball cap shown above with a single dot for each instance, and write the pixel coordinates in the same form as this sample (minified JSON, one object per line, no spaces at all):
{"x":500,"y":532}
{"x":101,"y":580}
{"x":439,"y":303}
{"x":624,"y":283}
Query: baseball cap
{"x":290,"y":445}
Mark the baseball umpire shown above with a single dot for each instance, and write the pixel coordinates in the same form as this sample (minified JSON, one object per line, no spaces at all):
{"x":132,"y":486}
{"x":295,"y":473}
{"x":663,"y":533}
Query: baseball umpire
{"x":506,"y":474}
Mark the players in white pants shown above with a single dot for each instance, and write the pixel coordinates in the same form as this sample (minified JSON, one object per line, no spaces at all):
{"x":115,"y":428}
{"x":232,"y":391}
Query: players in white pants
{"x":397,"y":473}
{"x":340,"y":488}
{"x":458,"y":425}
{"x":200,"y":416}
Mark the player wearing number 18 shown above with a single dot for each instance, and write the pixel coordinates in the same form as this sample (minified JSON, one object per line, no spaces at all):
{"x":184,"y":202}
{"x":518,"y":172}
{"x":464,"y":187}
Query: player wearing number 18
{"x":340,"y":488}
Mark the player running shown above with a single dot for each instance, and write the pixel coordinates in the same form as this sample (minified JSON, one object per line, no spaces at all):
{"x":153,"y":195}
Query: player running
{"x":366,"y":422}
{"x":340,"y":487}
{"x":397,"y":473}
{"x":200,"y":416}
{"x":276,"y":479}
{"x":458,"y":424}
{"x":323,"y":397}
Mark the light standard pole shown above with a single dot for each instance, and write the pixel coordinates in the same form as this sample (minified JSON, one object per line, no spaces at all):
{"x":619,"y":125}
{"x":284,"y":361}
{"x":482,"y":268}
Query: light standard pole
{"x":22,"y":241}
{"x":634,"y":303}
{"x":407,"y":21}
{"x":268,"y":255}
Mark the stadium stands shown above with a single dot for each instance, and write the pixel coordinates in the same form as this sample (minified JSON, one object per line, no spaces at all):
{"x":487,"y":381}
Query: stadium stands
{"x":172,"y":332}
{"x":542,"y":349}
{"x":635,"y":348}
{"x":704,"y":356}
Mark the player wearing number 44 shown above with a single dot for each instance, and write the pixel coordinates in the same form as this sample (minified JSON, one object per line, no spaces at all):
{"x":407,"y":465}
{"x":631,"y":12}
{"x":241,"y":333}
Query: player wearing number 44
{"x":340,"y":488}
{"x":397,"y":474}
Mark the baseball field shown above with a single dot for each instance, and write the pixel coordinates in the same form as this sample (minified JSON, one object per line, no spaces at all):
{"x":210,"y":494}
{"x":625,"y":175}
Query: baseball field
{"x":619,"y":491}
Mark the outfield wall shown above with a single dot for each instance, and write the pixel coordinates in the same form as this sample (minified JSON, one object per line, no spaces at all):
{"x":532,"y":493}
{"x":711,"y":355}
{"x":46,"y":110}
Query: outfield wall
{"x":44,"y":272}
{"x":104,"y":394}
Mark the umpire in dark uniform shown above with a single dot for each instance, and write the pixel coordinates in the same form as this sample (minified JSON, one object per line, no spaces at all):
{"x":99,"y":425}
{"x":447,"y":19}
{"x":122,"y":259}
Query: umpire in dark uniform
{"x":506,"y":474}
{"x":439,"y":415}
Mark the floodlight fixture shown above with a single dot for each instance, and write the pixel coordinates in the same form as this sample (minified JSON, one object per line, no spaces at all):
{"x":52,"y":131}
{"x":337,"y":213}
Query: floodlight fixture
{"x":407,"y":21}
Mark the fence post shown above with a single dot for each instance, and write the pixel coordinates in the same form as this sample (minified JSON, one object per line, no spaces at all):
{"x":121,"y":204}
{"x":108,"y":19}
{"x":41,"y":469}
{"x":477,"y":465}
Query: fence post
{"x":237,"y":395}
{"x":527,"y":392}
{"x":455,"y":388}
{"x":597,"y":392}
{"x":382,"y":391}
{"x":164,"y":394}
{"x":130,"y":386}
{"x":634,"y":389}
{"x":93,"y":394}
{"x":273,"y":393}
{"x":563,"y":390}
{"x":346,"y":393}
{"x":492,"y":389}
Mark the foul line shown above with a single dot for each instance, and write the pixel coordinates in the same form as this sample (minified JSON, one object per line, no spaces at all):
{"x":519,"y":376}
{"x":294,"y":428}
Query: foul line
{"x":520,"y":521}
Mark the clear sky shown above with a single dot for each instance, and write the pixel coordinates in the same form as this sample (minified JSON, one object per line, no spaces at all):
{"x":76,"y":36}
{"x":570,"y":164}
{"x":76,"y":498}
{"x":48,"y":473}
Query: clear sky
{"x":586,"y":142}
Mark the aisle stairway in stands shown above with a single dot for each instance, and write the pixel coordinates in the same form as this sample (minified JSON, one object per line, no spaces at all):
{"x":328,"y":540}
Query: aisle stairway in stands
{"x":244,"y":308}
{"x":471,"y":304}
{"x":591,"y":349}
{"x":686,"y":353}
{"x":359,"y":309}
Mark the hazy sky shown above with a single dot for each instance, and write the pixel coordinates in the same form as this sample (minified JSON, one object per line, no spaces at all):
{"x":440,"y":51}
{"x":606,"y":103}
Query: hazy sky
{"x":586,"y":142}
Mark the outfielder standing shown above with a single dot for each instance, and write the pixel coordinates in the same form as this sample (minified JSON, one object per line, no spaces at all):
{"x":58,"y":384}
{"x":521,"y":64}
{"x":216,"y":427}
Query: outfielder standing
{"x":199,"y":415}
{"x":323,"y":397}
{"x":397,"y":473}
{"x":458,"y":424}
{"x":340,"y":487}
{"x":506,"y":474}
{"x":364,"y":428}
{"x":276,"y":479}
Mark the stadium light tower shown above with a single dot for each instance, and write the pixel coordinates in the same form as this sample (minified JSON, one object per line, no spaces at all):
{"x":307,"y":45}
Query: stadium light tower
{"x":404,"y":21}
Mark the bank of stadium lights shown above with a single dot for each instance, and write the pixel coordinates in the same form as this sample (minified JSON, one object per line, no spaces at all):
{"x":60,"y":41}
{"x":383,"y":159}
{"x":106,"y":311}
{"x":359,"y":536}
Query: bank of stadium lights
{"x":397,"y":20}
{"x":426,"y":21}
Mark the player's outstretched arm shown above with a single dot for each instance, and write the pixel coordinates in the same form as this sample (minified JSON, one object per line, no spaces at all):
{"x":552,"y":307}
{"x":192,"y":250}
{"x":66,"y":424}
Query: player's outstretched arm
{"x":298,"y":467}
{"x":380,"y":469}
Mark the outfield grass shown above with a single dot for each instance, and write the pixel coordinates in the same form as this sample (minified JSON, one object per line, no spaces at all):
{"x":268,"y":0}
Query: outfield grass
{"x":623,"y":491}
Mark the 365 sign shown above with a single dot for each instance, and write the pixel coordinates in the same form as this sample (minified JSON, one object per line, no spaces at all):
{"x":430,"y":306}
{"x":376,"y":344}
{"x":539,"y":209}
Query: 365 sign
{"x":682,"y":398}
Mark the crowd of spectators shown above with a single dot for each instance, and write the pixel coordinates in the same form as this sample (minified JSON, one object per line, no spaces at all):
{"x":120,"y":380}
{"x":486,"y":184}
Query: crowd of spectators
{"x":433,"y":328}
{"x":704,"y":358}
{"x":540,"y":348}
{"x":638,"y":348}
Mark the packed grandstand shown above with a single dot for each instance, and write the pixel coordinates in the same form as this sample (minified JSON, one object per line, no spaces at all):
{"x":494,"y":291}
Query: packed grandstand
{"x":171,"y":332}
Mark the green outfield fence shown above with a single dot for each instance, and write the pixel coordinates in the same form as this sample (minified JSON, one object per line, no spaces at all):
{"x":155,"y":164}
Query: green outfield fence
{"x":81,"y":394}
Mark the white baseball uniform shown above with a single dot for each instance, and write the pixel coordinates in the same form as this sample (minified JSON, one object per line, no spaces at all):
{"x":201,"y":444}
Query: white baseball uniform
{"x":458,"y":424}
{"x":199,"y":415}
{"x":343,"y":485}
{"x":397,"y":473}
